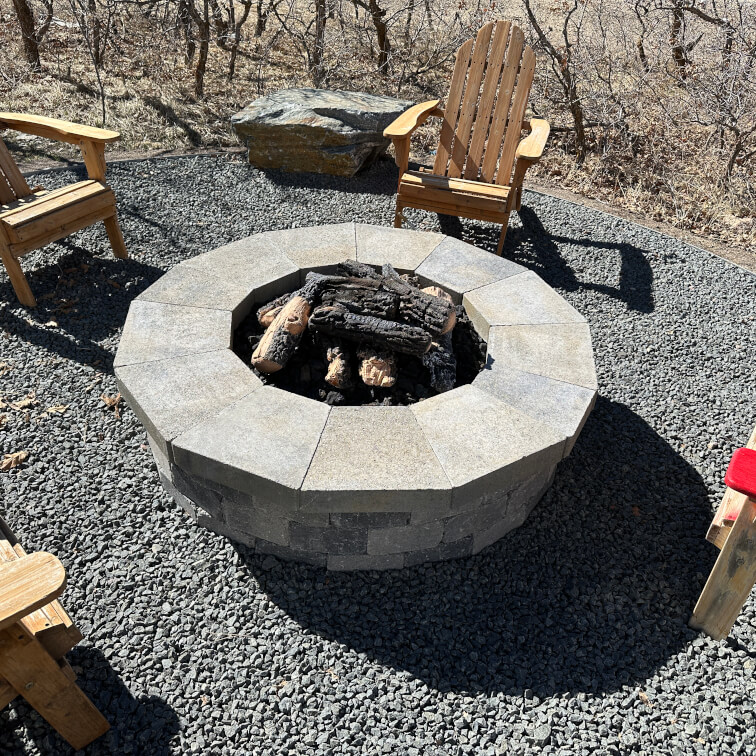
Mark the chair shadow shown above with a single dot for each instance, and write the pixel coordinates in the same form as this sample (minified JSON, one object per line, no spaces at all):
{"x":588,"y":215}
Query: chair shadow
{"x":82,"y":298}
{"x":144,"y":724}
{"x":614,"y":553}
{"x":534,"y":247}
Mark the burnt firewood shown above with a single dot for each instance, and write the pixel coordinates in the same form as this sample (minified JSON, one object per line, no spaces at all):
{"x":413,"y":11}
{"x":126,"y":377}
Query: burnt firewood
{"x":335,"y":320}
{"x":280,"y":340}
{"x":377,"y":366}
{"x":362,"y":297}
{"x":431,"y":313}
{"x":418,"y":308}
{"x":267,"y":313}
{"x":441,"y":363}
{"x":437,"y":291}
{"x":339,"y":373}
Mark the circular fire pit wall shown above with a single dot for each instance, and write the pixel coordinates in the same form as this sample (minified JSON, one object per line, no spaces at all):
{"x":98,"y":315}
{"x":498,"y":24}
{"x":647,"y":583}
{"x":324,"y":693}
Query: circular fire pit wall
{"x":355,"y":487}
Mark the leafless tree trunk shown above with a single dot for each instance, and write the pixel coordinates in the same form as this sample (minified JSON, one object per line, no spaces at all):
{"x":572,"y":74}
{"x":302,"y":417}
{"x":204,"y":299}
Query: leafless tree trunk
{"x":25,"y":17}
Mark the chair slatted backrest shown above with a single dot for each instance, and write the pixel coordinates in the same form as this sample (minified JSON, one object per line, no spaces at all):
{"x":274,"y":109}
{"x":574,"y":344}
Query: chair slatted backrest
{"x":487,"y":99}
{"x":13,"y":185}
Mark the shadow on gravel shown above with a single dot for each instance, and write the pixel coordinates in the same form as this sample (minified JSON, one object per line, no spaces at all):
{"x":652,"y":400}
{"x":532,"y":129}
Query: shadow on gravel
{"x":81,"y":299}
{"x":143,"y":725}
{"x":592,"y":593}
{"x":534,"y":247}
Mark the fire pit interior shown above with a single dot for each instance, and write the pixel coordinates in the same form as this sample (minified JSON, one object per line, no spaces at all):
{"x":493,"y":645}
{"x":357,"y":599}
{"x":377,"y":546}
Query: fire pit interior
{"x":362,"y":337}
{"x":356,"y":476}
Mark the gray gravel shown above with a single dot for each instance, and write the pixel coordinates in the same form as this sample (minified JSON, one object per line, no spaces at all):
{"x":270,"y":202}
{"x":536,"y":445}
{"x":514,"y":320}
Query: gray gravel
{"x":569,"y":636}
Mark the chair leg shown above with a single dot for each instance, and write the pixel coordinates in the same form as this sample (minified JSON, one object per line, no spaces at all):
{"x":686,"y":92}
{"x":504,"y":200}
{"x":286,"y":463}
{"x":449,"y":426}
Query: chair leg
{"x":731,"y":579}
{"x":27,"y":666}
{"x":503,"y":235}
{"x":116,"y":237}
{"x":398,"y":215}
{"x":18,"y":279}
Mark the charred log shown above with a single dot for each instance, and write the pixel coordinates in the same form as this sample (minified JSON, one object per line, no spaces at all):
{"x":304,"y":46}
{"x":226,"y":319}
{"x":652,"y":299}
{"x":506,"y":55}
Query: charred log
{"x":280,"y":340}
{"x":339,"y":373}
{"x":401,"y":337}
{"x":441,"y":363}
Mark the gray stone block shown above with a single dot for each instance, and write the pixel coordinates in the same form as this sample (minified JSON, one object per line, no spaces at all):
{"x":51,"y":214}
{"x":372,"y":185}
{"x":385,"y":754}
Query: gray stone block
{"x":315,"y":519}
{"x":440,"y":553}
{"x":354,"y":471}
{"x":256,"y":264}
{"x":406,"y":538}
{"x":521,"y":299}
{"x":459,"y":267}
{"x":157,"y":331}
{"x":290,"y":555}
{"x":489,"y":510}
{"x":430,"y":511}
{"x":162,"y":461}
{"x":369,"y":519}
{"x":318,"y":248}
{"x":191,"y":288}
{"x":259,"y":522}
{"x":482,"y":443}
{"x":563,"y":406}
{"x":224,"y":530}
{"x":262,"y":445}
{"x":172,"y":395}
{"x":185,"y":504}
{"x":403,"y":249}
{"x":349,"y":562}
{"x":562,"y":352}
{"x":331,"y":540}
{"x":202,"y":495}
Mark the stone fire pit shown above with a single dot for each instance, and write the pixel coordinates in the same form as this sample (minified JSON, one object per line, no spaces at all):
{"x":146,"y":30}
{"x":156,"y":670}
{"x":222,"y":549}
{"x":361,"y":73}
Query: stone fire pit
{"x":355,"y":487}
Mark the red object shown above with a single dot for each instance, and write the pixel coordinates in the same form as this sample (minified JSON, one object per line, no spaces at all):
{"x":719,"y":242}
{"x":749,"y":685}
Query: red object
{"x":741,"y":472}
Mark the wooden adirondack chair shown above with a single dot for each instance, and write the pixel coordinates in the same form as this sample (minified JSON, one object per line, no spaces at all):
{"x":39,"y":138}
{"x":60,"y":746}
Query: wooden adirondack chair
{"x":35,"y":635}
{"x":480,"y":161}
{"x":733,"y":532}
{"x":31,"y":218}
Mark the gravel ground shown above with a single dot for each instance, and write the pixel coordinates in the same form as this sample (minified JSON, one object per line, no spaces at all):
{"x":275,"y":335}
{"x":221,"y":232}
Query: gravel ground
{"x":568,"y":636}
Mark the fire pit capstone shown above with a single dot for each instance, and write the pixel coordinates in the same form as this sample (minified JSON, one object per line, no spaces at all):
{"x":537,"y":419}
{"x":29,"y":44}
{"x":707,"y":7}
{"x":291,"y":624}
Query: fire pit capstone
{"x":355,"y":487}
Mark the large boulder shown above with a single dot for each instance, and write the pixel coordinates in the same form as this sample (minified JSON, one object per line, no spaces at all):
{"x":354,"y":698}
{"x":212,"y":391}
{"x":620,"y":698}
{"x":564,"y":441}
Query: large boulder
{"x":317,"y":130}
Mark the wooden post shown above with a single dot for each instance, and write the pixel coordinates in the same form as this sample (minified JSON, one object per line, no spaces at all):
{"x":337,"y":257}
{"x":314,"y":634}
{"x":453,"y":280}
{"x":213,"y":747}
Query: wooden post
{"x":36,"y":676}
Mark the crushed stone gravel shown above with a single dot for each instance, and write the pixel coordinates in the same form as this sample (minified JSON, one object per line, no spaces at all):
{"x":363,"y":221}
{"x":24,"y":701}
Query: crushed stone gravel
{"x":568,"y":636}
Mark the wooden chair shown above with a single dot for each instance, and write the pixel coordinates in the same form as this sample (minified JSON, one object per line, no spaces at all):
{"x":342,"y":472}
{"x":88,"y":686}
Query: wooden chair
{"x":35,"y":635}
{"x":479,"y":165}
{"x":733,"y":531}
{"x":31,"y":218}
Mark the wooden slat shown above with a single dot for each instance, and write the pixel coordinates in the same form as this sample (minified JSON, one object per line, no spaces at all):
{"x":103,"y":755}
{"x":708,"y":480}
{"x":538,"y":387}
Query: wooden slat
{"x":731,"y":579}
{"x":460,"y":185}
{"x":53,"y":128}
{"x":451,"y":111}
{"x":486,"y":106}
{"x":7,"y":693}
{"x":461,"y":212}
{"x":452,"y":200}
{"x":49,"y":203}
{"x":501,"y":110}
{"x":30,"y":670}
{"x":519,"y":105}
{"x":13,"y":176}
{"x":470,"y":101}
{"x":59,"y":232}
{"x":27,"y":584}
{"x":6,"y":193}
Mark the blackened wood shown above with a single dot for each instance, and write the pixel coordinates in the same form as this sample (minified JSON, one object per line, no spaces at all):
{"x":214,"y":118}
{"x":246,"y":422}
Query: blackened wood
{"x":377,"y":366}
{"x":267,"y":313}
{"x":358,"y":269}
{"x":280,"y":340}
{"x":441,"y":363}
{"x":418,"y":308}
{"x":364,"y":300}
{"x":401,"y":337}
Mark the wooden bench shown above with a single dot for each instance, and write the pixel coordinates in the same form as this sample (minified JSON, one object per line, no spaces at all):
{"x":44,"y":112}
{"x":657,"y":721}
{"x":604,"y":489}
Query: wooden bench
{"x":35,"y":634}
{"x":733,"y":532}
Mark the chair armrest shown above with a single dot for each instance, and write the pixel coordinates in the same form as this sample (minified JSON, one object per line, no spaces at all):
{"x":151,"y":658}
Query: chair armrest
{"x":27,"y":584}
{"x":531,"y":148}
{"x":60,"y":131}
{"x":411,"y":119}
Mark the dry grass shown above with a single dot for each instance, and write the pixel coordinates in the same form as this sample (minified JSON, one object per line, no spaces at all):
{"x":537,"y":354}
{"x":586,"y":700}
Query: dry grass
{"x":669,"y":174}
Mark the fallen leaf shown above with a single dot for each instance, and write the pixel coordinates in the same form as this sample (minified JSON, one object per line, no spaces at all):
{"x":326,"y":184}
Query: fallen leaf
{"x":58,"y":409}
{"x":30,"y":400}
{"x":644,"y":697}
{"x":14,"y":459}
{"x":113,"y":401}
{"x":114,"y":284}
{"x":3,"y":420}
{"x":636,"y":511}
{"x":4,"y":368}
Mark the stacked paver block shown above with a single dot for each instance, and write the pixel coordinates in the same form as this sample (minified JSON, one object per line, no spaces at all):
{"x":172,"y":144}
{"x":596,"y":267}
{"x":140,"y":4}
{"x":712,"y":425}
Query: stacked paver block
{"x":352,"y":488}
